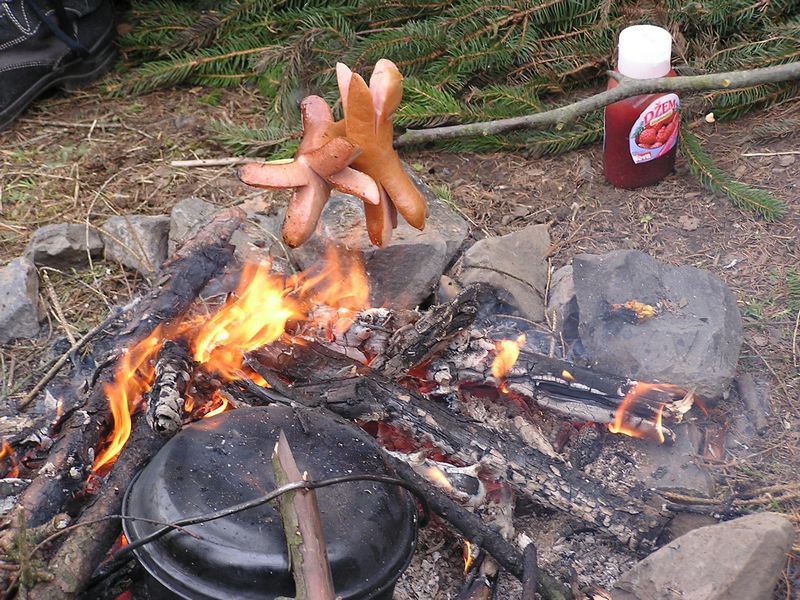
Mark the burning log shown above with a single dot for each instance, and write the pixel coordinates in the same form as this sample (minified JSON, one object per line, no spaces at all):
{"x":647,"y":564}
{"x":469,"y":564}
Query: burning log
{"x":320,"y":376}
{"x":84,"y":548}
{"x":72,"y":456}
{"x":167,"y":396}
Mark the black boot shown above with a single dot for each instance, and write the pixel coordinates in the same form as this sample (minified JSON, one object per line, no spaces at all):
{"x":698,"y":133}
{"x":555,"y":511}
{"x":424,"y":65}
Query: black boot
{"x":51,"y":43}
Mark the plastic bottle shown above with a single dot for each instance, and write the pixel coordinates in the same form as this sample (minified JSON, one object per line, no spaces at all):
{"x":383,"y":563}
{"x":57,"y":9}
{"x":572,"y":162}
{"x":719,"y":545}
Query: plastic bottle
{"x":641,"y":133}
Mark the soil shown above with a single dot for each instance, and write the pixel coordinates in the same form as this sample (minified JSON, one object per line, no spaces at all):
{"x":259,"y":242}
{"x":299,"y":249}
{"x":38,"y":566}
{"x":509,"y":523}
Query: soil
{"x":85,"y":157}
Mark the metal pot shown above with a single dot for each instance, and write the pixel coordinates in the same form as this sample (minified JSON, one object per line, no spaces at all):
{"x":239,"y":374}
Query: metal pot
{"x":370,"y":528}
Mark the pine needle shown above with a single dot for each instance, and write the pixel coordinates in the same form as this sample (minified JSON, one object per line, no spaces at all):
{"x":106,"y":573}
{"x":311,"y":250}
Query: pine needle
{"x":756,"y":200}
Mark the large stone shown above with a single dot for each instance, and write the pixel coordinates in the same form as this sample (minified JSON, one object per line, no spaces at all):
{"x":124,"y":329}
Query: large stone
{"x":20,"y":310}
{"x":186,"y":218}
{"x":64,"y":245}
{"x":407,"y":270}
{"x":137,"y":241}
{"x":514,"y":264}
{"x":693,"y":340}
{"x":676,"y":467}
{"x":738,"y":560}
{"x":258,"y":238}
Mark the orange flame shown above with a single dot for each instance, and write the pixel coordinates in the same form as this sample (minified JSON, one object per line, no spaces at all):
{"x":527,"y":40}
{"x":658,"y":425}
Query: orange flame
{"x":436,"y":476}
{"x":507,"y":355}
{"x":469,"y":549}
{"x":222,"y":404}
{"x":621,"y":424}
{"x":264,"y":303}
{"x":255,"y":315}
{"x":13,"y":466}
{"x":133,"y":377}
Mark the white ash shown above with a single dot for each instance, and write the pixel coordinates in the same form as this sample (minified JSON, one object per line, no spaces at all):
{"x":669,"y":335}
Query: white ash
{"x":435,"y":572}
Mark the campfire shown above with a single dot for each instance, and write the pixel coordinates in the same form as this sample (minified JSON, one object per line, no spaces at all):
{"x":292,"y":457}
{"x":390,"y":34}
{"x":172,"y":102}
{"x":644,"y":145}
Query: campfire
{"x":444,"y":402}
{"x":310,"y":339}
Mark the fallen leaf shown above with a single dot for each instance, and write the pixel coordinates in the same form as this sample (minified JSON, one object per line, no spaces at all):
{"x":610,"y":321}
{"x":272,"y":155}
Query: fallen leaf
{"x":688,"y":223}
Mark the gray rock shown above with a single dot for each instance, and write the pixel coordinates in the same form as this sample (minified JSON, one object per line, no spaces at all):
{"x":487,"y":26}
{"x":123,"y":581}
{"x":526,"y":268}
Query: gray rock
{"x":20,"y":310}
{"x":63,"y":245}
{"x":675,"y":467}
{"x":693,"y":341}
{"x":562,"y":307}
{"x":137,"y":241}
{"x":186,"y":219}
{"x":407,"y":270}
{"x":514,"y":264}
{"x":258,"y":238}
{"x":738,"y":560}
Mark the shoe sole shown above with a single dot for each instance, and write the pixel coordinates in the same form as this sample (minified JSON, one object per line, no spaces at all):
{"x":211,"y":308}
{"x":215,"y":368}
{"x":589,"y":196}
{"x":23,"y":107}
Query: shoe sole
{"x":69,"y":77}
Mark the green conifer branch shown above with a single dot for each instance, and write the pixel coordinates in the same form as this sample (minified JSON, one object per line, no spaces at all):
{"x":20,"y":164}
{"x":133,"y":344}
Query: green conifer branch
{"x":755,"y":200}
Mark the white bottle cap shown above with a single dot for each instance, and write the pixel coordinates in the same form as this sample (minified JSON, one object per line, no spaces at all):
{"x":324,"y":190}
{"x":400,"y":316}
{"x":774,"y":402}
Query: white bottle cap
{"x":644,"y":52}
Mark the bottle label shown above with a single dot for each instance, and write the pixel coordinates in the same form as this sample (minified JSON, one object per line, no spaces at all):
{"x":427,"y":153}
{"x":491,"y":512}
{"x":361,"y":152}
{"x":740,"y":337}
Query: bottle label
{"x":655,"y":132}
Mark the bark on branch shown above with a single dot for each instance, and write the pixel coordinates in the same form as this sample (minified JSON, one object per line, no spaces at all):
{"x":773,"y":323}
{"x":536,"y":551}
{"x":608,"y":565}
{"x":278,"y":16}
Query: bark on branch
{"x":626,"y":88}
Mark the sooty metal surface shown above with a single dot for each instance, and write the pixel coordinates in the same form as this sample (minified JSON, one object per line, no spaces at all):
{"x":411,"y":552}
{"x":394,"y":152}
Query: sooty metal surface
{"x":370,"y":528}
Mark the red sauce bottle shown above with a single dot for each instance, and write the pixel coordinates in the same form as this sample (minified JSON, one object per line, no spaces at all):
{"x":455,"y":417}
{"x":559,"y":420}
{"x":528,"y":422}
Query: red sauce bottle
{"x":641,"y":133}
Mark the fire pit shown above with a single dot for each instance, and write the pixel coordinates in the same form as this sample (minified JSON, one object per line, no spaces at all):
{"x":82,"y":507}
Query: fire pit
{"x":370,"y":528}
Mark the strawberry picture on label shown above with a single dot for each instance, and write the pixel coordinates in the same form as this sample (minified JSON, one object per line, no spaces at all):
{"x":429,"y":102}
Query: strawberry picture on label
{"x":655,"y":132}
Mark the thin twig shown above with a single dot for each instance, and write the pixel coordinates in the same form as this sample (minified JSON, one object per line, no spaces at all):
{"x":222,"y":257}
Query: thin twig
{"x":229,"y":161}
{"x":627,"y":87}
{"x":794,"y":340}
{"x":782,"y":153}
{"x":59,"y":312}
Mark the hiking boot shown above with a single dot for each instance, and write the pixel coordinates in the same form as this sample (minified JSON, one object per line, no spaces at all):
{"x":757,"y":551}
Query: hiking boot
{"x":47,"y":44}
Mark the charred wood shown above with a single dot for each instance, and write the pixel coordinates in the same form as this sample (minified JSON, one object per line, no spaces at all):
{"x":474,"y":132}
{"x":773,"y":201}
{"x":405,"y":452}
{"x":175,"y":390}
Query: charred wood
{"x":481,"y":581}
{"x":321,"y":377}
{"x":530,"y":572}
{"x":84,"y":548}
{"x":72,"y":455}
{"x":417,"y":342}
{"x":167,"y":395}
{"x":472,"y":527}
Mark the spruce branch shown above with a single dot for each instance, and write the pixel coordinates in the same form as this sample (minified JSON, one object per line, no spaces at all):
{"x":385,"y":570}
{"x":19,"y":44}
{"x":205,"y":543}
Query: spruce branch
{"x":626,"y":88}
{"x":756,"y":200}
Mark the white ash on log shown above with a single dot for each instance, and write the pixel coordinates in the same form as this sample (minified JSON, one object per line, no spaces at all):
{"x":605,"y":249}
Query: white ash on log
{"x":167,"y":395}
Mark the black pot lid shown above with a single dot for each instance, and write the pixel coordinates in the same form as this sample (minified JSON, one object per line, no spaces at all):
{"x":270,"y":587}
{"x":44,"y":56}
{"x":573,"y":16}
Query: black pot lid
{"x":370,"y":528}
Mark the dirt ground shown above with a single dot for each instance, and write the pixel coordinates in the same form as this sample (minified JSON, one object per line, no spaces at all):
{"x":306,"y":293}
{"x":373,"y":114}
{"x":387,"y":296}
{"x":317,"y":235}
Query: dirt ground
{"x":85,"y":157}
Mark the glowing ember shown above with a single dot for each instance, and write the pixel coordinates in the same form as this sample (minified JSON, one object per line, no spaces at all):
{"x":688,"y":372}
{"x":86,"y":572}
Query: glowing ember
{"x":640,"y":310}
{"x":436,"y":476}
{"x":254,"y":316}
{"x":469,"y":558}
{"x":134,"y":376}
{"x":507,"y":355}
{"x":220,"y":404}
{"x":7,"y":452}
{"x":621,"y":417}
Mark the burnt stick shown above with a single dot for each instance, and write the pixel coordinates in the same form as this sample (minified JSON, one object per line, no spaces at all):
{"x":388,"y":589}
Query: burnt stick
{"x":320,"y":373}
{"x":73,"y":453}
{"x":73,"y":563}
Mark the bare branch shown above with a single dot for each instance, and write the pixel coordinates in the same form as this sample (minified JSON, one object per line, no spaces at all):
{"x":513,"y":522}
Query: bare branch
{"x":627,"y":87}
